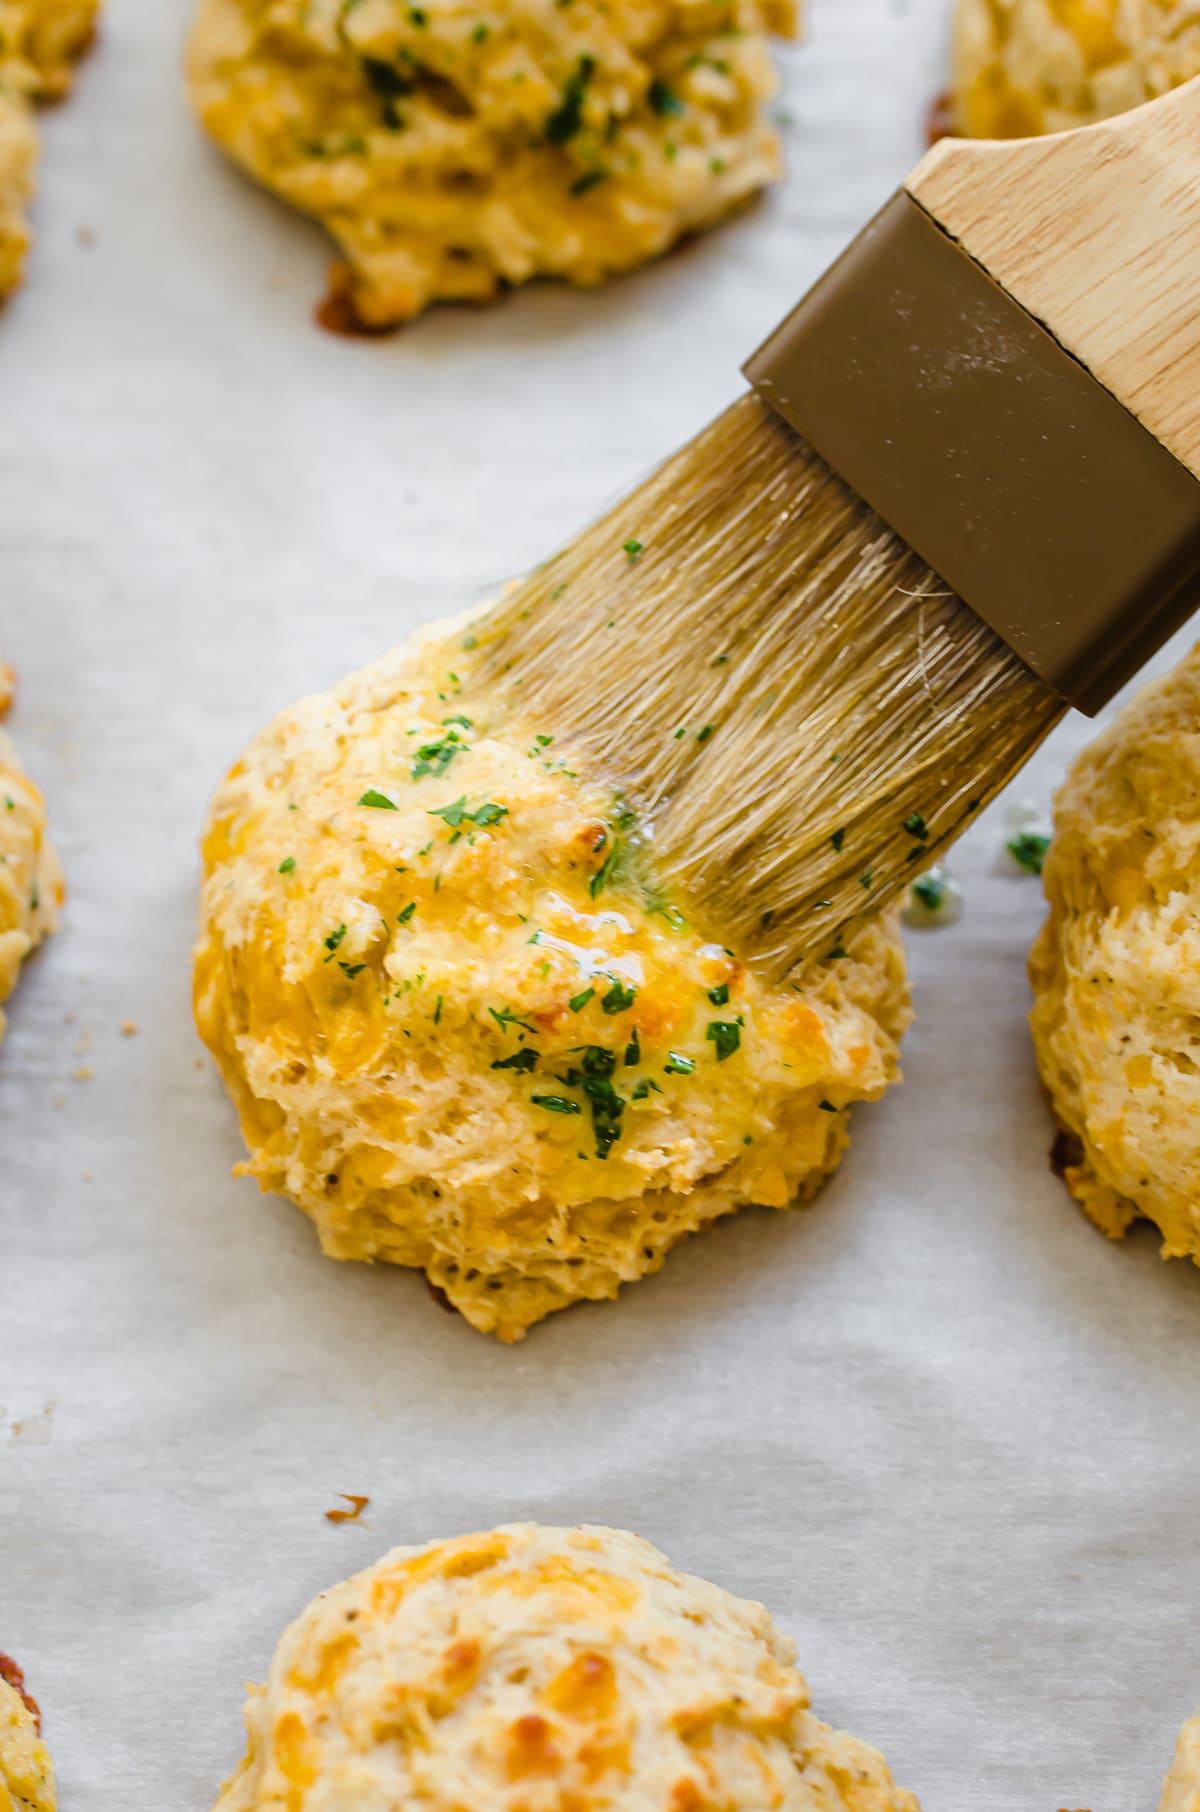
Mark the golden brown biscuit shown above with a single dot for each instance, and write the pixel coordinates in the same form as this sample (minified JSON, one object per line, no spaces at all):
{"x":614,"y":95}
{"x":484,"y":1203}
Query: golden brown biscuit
{"x":31,"y":882}
{"x":39,"y":41}
{"x":1116,"y":970}
{"x":26,"y":1771}
{"x":532,"y":1669}
{"x":464,"y":1028}
{"x":1028,"y":66}
{"x":460,"y":145}
{"x":1181,"y":1792}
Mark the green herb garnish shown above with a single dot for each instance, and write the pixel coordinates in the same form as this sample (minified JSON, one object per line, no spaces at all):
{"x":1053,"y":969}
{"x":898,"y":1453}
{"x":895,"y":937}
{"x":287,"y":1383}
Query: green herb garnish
{"x":676,"y":1065}
{"x":522,"y":1061}
{"x":726,"y":1035}
{"x":632,"y":548}
{"x":916,"y":826}
{"x":663,"y":100}
{"x":719,"y":995}
{"x":580,"y":1001}
{"x":379,"y":801}
{"x":556,"y":1104}
{"x":404,"y":916}
{"x":333,"y":940}
{"x":827,"y":1107}
{"x":619,"y":998}
{"x":930,"y":890}
{"x":287,"y":865}
{"x":837,"y":839}
{"x":1029,"y":849}
{"x":567,"y":118}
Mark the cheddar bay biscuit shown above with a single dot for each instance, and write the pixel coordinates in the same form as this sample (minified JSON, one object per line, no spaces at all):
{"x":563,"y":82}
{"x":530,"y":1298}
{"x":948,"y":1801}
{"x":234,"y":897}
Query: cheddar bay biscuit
{"x":533,"y":1669}
{"x":39,"y":42}
{"x":31,"y":883}
{"x":453,"y":147}
{"x":1027,"y":66}
{"x":26,"y":1771}
{"x":466,"y":1027}
{"x":1116,"y":970}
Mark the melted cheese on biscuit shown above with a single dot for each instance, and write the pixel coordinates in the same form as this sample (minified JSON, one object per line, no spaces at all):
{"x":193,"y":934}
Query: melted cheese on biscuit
{"x":459,"y":145}
{"x":532,"y":1669}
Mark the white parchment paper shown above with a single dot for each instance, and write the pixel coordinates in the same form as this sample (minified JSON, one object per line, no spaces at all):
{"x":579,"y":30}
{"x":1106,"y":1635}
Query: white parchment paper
{"x":940,"y":1426}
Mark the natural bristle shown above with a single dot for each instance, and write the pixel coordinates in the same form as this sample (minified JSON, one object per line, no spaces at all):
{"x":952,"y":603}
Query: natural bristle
{"x":796,"y":706}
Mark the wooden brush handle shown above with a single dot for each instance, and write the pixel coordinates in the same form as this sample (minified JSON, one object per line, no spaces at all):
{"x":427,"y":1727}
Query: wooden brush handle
{"x":1097,"y":234}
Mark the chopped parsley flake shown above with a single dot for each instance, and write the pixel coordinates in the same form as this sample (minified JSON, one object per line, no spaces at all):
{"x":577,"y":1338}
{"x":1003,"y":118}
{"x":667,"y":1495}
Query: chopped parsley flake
{"x":619,"y":998}
{"x":478,"y":36}
{"x":838,"y":838}
{"x":676,"y":1065}
{"x":567,"y":118}
{"x":522,"y":1061}
{"x":726,"y":1035}
{"x":590,"y":179}
{"x":404,"y":917}
{"x":867,"y":879}
{"x":580,"y":1001}
{"x":827,"y":1107}
{"x":719,"y":995}
{"x":631,"y":549}
{"x":633,"y":1050}
{"x":437,"y":1012}
{"x":435,"y":757}
{"x":663,"y":100}
{"x":506,"y":1017}
{"x":838,"y":951}
{"x":379,"y":801}
{"x":556,"y":1104}
{"x":1029,"y":849}
{"x":703,"y":735}
{"x":644,"y":1087}
{"x":930,"y":890}
{"x":287,"y":865}
{"x":457,"y":814}
{"x":386,"y":79}
{"x":916,"y":826}
{"x":351,"y":969}
{"x":333,"y":940}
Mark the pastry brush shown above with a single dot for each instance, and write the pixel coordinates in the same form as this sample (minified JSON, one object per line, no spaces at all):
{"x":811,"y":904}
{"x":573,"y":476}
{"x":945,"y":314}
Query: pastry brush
{"x":959,"y":497}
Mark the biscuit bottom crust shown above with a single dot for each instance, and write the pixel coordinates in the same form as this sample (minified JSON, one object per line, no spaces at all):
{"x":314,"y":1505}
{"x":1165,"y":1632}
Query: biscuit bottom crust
{"x":26,"y":1771}
{"x":454,"y":149}
{"x":1027,"y":66}
{"x":531,"y":1669}
{"x":1116,"y":968}
{"x":466,"y":1027}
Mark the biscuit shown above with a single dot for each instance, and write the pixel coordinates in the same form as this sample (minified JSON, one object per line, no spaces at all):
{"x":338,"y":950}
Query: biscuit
{"x":532,"y":1669}
{"x":1027,"y":66}
{"x":39,"y":42}
{"x":31,"y":882}
{"x":463,"y":145}
{"x":26,"y":1771}
{"x":466,"y":1028}
{"x":1116,"y":969}
{"x":1181,"y":1792}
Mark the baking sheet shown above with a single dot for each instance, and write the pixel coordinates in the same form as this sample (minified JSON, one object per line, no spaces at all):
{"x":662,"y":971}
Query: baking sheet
{"x":941,"y":1427}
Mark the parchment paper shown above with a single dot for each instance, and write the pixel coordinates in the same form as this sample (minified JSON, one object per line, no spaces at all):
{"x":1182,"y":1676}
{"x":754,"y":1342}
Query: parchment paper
{"x":939,"y":1425}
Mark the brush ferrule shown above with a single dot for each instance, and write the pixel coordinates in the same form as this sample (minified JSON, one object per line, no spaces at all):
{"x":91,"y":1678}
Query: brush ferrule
{"x":1038,"y":498}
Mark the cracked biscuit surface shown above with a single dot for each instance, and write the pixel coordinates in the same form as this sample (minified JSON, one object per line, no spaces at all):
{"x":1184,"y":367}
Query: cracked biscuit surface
{"x":468,"y":1030}
{"x":532,"y":1669}
{"x":1116,"y":969}
{"x":452,"y":148}
{"x":1027,"y":66}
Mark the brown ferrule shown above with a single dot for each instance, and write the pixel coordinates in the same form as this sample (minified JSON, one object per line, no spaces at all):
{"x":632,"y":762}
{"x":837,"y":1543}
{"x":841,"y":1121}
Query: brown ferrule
{"x":1026,"y":486}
